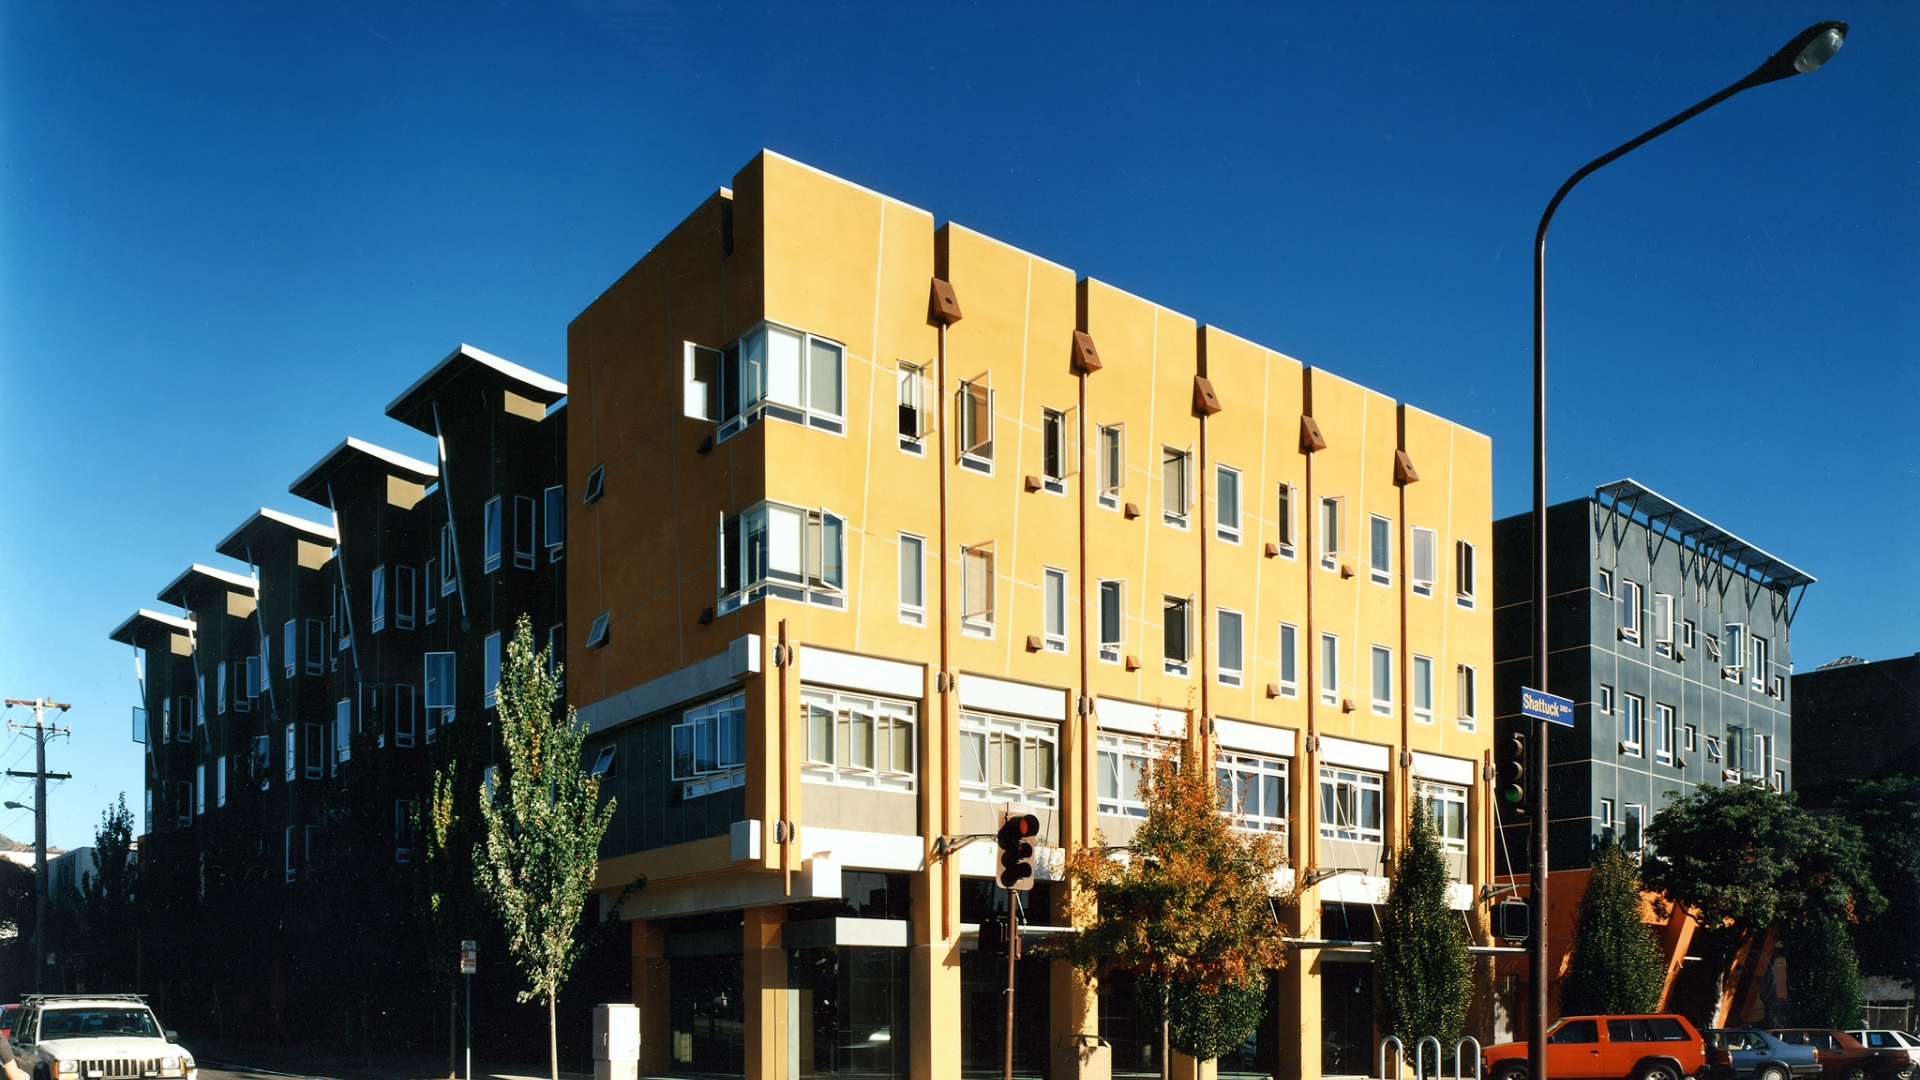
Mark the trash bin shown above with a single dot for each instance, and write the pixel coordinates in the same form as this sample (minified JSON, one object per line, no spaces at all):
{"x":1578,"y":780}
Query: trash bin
{"x":616,"y":1042}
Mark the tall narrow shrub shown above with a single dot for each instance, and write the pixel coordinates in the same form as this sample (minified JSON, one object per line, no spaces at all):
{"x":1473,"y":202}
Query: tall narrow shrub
{"x":1421,"y":968}
{"x":1616,"y":966}
{"x":1825,"y":976}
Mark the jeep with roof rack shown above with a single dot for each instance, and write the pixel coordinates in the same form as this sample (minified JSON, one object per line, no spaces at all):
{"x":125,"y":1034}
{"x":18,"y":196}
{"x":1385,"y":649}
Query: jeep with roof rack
{"x":96,"y":1037}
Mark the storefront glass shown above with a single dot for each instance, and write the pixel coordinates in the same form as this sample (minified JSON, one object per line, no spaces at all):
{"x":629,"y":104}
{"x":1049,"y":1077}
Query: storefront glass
{"x":707,"y":1014}
{"x":849,"y":1012}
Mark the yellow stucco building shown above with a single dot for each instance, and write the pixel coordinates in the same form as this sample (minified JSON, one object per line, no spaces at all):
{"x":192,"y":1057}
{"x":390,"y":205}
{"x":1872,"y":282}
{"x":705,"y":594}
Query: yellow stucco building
{"x":878,"y":529}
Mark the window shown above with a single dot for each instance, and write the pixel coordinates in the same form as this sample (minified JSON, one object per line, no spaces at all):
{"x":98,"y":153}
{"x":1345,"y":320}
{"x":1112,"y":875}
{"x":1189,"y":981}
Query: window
{"x":342,"y":732}
{"x":1113,"y":621}
{"x":262,"y":755}
{"x":1289,"y":660}
{"x":976,"y":590}
{"x":1253,"y":790}
{"x":601,"y":630}
{"x":183,"y":793}
{"x":449,"y":561}
{"x":1176,"y":484}
{"x":1607,"y":820}
{"x":289,"y":647}
{"x":183,"y":730}
{"x":1606,"y":699}
{"x":342,"y":623}
{"x":1779,"y":780}
{"x":199,"y":790}
{"x":710,"y":746}
{"x":783,"y":373}
{"x":403,"y":598}
{"x":1663,"y":624}
{"x":1003,"y":759}
{"x":913,"y":580}
{"x":1176,"y":633}
{"x":490,"y":526}
{"x":292,"y":872}
{"x":915,"y":417}
{"x":437,"y":679}
{"x":1736,"y":652}
{"x":1687,"y":632}
{"x":1576,"y":1031}
{"x":1121,"y":768}
{"x":1665,"y":733}
{"x":1468,"y":697}
{"x":403,"y":719}
{"x":1329,"y":670}
{"x":1630,"y":826}
{"x":1690,"y":740}
{"x":292,"y":749}
{"x":776,"y":550}
{"x":1448,"y":806}
{"x":1113,"y":464}
{"x":973,"y":407}
{"x":1283,"y":520}
{"x":1383,"y":680}
{"x":606,"y":762}
{"x":1762,"y":763}
{"x":701,"y":400}
{"x":557,"y":654}
{"x":1380,"y":549}
{"x":1226,"y":503}
{"x":219,"y":689}
{"x":1629,"y":611}
{"x":254,"y":676}
{"x":1603,"y":581}
{"x":490,"y":671}
{"x":1349,"y":805}
{"x":1331,"y":515}
{"x":403,"y":817}
{"x":1633,"y":719}
{"x":315,"y":750}
{"x":1426,"y":555}
{"x":377,"y":600}
{"x":1759,"y":672}
{"x":859,"y":741}
{"x":1463,"y":573}
{"x":1423,"y":689}
{"x":1232,"y":659}
{"x":1054,"y":450}
{"x":430,"y":595}
{"x":556,"y":533}
{"x":1713,"y":748}
{"x":524,"y":530}
{"x":1054,"y":604}
{"x":596,"y":485}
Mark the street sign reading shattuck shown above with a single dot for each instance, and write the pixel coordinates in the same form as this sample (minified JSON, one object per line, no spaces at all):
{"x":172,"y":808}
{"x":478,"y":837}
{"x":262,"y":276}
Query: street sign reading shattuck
{"x":1544,"y":706}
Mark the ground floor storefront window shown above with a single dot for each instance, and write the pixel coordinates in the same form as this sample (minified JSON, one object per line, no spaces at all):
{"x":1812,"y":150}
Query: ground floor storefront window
{"x":983,"y":1016}
{"x":1258,"y":1055}
{"x":707,"y":1008}
{"x":848,"y":1012}
{"x":1346,"y":1018}
{"x":1130,"y":1023}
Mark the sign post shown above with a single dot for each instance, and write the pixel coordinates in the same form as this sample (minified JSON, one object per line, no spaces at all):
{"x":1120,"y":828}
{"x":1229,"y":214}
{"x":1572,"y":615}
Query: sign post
{"x":469,"y":963}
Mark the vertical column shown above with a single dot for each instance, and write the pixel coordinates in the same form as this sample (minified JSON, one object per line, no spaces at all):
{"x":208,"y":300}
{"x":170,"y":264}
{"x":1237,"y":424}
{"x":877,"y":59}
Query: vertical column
{"x":1300,"y":1021}
{"x":763,"y":978}
{"x":650,"y":991}
{"x":1075,"y":1007}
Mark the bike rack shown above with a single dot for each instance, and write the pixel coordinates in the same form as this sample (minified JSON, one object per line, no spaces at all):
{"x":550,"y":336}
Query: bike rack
{"x":1399,"y":1059}
{"x":1477,"y":1062}
{"x":1420,"y":1057}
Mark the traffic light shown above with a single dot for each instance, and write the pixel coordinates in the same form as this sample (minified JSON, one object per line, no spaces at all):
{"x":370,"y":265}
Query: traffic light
{"x":1514,"y":767}
{"x":1513,"y":920}
{"x":1016,"y":851}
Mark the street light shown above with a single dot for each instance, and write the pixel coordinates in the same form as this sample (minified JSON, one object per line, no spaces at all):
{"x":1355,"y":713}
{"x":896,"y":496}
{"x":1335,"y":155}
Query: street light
{"x":1808,"y":51}
{"x":18,"y":806}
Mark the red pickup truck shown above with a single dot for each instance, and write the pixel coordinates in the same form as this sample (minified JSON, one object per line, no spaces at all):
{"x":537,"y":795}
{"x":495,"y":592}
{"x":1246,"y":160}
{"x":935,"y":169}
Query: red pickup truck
{"x":1649,"y":1047}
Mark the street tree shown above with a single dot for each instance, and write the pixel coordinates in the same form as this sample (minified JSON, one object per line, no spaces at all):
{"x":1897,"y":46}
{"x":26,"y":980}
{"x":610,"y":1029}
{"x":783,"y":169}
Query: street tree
{"x":1422,"y":971}
{"x":1616,"y":965}
{"x":544,"y":822}
{"x":1188,"y":912}
{"x":101,"y":916}
{"x":1887,"y":811}
{"x":1826,"y":975}
{"x":448,"y":902}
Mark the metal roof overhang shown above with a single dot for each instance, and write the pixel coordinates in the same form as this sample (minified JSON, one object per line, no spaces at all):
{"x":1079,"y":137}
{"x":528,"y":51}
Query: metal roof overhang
{"x":312,"y":484}
{"x":170,"y":623}
{"x":523,"y":381}
{"x":265,"y":522}
{"x":1662,"y":514}
{"x":176,"y":590}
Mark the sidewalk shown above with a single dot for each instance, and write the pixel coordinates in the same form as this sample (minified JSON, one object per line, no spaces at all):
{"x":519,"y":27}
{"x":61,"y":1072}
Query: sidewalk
{"x":270,"y":1062}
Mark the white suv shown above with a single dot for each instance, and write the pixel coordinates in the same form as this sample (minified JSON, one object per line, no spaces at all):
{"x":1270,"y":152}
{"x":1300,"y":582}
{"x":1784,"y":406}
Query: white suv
{"x":96,"y":1037}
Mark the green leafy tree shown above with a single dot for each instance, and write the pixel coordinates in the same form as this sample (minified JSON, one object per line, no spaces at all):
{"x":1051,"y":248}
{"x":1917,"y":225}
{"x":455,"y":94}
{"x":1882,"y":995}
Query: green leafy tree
{"x":1887,"y":812}
{"x":1826,"y":976}
{"x":543,"y":828}
{"x":1421,"y":968}
{"x":1616,"y":965}
{"x":101,"y":912}
{"x":1189,"y":913}
{"x":448,"y":903}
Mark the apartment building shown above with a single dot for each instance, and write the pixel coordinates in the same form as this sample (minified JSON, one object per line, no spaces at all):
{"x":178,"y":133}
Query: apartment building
{"x":1673,"y":638}
{"x":298,"y":701}
{"x":886,"y":527}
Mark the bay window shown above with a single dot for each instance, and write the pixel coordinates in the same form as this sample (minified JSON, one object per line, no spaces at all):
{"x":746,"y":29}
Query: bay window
{"x":710,"y":747}
{"x":772,"y":549}
{"x":783,"y":373}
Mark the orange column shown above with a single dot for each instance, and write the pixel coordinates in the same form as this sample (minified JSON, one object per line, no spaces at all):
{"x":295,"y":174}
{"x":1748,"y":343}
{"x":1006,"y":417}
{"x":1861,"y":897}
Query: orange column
{"x":650,"y":992}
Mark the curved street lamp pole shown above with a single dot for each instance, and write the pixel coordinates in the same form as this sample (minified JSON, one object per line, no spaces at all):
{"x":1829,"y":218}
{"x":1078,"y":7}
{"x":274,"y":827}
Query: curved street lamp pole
{"x":1810,"y":49}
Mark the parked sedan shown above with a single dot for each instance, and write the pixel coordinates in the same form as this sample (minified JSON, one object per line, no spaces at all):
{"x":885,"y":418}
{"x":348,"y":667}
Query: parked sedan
{"x":1843,"y":1057}
{"x":1746,"y":1054}
{"x":1892,"y":1040}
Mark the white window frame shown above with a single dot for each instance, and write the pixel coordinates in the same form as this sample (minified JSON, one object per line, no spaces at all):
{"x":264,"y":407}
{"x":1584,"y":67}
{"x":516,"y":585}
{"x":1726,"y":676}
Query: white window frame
{"x":1234,"y":673}
{"x":1243,"y":777}
{"x":913,"y":579}
{"x":1055,"y":424}
{"x":1054,"y":602}
{"x":220,"y":682}
{"x":1466,"y":697}
{"x":1380,"y":549}
{"x":979,"y":586}
{"x":973,"y":421}
{"x":865,"y":730}
{"x":1380,"y":680}
{"x":1289,"y":663}
{"x":810,"y":545}
{"x":1330,"y":524}
{"x":1688,"y":633}
{"x":554,"y":535}
{"x":1735,"y":636}
{"x":1344,"y":791}
{"x":1112,"y":468}
{"x":1424,"y":565}
{"x":1440,"y":799}
{"x":1606,"y":699}
{"x":1690,"y":738}
{"x":1633,"y":725}
{"x":707,"y":747}
{"x":910,"y":399}
{"x":377,"y":601}
{"x":405,"y":720}
{"x":1182,"y":605}
{"x":1420,"y":692}
{"x":342,"y":736}
{"x":526,"y":532}
{"x":199,"y":789}
{"x":1666,"y":732}
{"x":1176,"y":486}
{"x":1120,"y":773}
{"x":1633,"y":823}
{"x":1603,"y":582}
{"x":990,"y":743}
{"x":759,"y":385}
{"x":1608,"y":820}
{"x":1758,"y":649}
{"x":405,"y":598}
{"x":1112,"y":597}
{"x":1227,"y":510}
{"x":1466,"y":573}
{"x":1329,"y":669}
{"x":439,"y":675}
{"x":700,"y":381}
{"x":492,"y":535}
{"x":1628,"y":610}
{"x":1663,"y":623}
{"x":1286,"y":522}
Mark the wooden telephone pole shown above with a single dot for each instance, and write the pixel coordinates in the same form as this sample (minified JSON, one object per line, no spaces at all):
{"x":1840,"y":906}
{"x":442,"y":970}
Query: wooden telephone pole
{"x":40,"y":777}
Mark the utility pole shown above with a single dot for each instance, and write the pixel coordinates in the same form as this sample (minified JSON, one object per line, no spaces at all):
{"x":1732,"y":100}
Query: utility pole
{"x":40,"y":777}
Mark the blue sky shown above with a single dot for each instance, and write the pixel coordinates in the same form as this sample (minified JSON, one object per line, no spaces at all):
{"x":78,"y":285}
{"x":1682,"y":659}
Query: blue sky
{"x":230,"y":233}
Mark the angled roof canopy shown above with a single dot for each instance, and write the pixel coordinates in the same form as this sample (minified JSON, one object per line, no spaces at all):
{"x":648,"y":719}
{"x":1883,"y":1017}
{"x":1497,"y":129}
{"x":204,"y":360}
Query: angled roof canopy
{"x":413,"y":406}
{"x":144,"y":619}
{"x":312,"y":484}
{"x":264,"y":525}
{"x":1670,"y":519}
{"x":198,"y":576}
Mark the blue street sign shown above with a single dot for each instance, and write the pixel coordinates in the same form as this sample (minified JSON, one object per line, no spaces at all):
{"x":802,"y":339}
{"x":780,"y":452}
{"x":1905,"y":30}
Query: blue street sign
{"x":1544,"y":706}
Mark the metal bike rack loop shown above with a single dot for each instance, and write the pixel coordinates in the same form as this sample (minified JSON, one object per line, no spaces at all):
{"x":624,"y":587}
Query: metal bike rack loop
{"x":1420,"y":1057}
{"x":1399,"y":1059}
{"x":1457,"y":1057}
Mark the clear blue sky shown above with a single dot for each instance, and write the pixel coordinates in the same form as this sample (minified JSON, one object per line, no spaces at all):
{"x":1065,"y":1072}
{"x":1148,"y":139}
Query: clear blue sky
{"x":230,"y":233}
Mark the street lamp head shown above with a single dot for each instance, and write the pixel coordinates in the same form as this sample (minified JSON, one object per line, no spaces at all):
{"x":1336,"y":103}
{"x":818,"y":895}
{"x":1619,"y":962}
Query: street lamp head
{"x":15,"y":806}
{"x":1808,"y":50}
